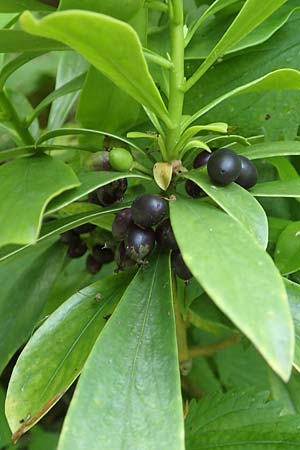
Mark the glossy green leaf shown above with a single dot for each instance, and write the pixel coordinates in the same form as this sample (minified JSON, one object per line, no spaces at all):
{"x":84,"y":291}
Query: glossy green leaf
{"x":293,"y":292}
{"x":277,"y":80}
{"x":59,"y":349}
{"x":238,"y":281}
{"x":102,"y":49}
{"x":113,"y":110}
{"x":28,"y":185}
{"x":137,"y":388}
{"x":5,"y":435}
{"x":121,"y":9}
{"x":238,"y":203}
{"x":26,"y":282}
{"x":252,"y":14}
{"x":286,"y":188}
{"x":12,"y":41}
{"x":14,"y":6}
{"x":89,"y":181}
{"x":270,"y":149}
{"x":287,"y":253}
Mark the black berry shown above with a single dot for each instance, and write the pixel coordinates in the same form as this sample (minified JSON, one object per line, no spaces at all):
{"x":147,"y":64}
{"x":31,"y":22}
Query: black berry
{"x":92,"y":265}
{"x":122,"y":259}
{"x":193,"y":190}
{"x":99,"y":161}
{"x":102,"y":254}
{"x":77,"y":249}
{"x":165,"y":236}
{"x":224,"y":166}
{"x":112,"y":192}
{"x":121,"y":223}
{"x":83,"y":229}
{"x":148,"y":210}
{"x":139,"y":243}
{"x":248,"y":175}
{"x":93,"y":197}
{"x":69,"y":237}
{"x":201,"y":159}
{"x":179,"y":266}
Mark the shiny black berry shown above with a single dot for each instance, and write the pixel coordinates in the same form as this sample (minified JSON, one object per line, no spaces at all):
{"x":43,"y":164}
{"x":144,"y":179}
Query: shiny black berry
{"x":122,"y":259}
{"x":201,"y":159}
{"x":139,"y":243}
{"x":248,"y":176}
{"x":83,"y":229}
{"x":112,"y":192}
{"x":103,"y":254}
{"x":224,"y":166}
{"x":148,"y":210}
{"x":193,"y":190}
{"x":179,"y":266}
{"x":93,"y":198}
{"x":121,"y":223}
{"x":92,"y":265}
{"x":165,"y":236}
{"x":77,"y":249}
{"x":69,"y":237}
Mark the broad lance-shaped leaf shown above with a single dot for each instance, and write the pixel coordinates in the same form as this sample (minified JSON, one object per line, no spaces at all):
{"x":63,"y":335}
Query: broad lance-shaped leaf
{"x":252,"y":14}
{"x":238,"y":203}
{"x":12,"y":41}
{"x":121,"y":9}
{"x":128,"y":396}
{"x":270,"y":149}
{"x":112,"y":46}
{"x":26,"y":282}
{"x":13,"y":6}
{"x":28,"y":185}
{"x":287,"y":252}
{"x":293,"y":292}
{"x":282,"y":188}
{"x":238,"y":276}
{"x":59,"y":349}
{"x":89,"y":181}
{"x":277,"y":80}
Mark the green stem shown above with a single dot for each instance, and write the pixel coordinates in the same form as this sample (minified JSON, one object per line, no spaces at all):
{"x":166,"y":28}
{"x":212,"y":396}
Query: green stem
{"x":177,"y":79}
{"x":211,"y":349}
{"x":8,"y":108}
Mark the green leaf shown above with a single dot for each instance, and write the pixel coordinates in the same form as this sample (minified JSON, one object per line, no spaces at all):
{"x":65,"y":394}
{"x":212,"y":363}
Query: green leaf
{"x":89,"y":181}
{"x":137,"y":388}
{"x":113,"y":111}
{"x":121,"y":9}
{"x":5,"y":435}
{"x":28,"y":185}
{"x":240,"y":420}
{"x":277,"y":80}
{"x":287,"y":253}
{"x":26,"y":282}
{"x":14,"y":6}
{"x":238,"y":203}
{"x":59,"y":349}
{"x":293,"y":292}
{"x":286,"y":188}
{"x":270,"y":149}
{"x":238,"y":281}
{"x":12,"y":41}
{"x":102,"y":48}
{"x":252,"y":14}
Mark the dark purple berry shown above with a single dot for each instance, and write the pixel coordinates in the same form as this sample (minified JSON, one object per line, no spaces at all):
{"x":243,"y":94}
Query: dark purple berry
{"x":248,"y":176}
{"x":122,"y":259}
{"x":165,"y":236}
{"x":201,"y":159}
{"x":99,"y":161}
{"x":121,"y":223}
{"x":83,"y":229}
{"x":112,"y":192}
{"x":69,"y":237}
{"x":103,"y":254}
{"x":77,"y":249}
{"x":193,"y":190}
{"x":179,"y":266}
{"x":139,"y":243}
{"x":148,"y":210}
{"x":93,"y":197}
{"x":224,"y":166}
{"x":92,"y":265}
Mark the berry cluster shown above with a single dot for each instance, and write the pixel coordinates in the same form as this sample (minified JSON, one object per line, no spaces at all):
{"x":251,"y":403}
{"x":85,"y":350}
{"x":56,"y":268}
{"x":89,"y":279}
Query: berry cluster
{"x":223,"y":166}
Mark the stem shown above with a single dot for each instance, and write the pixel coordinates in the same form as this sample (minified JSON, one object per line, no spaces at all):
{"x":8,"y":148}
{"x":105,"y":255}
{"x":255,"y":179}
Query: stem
{"x":177,"y":79}
{"x":15,"y":120}
{"x":209,"y":350}
{"x":183,"y":350}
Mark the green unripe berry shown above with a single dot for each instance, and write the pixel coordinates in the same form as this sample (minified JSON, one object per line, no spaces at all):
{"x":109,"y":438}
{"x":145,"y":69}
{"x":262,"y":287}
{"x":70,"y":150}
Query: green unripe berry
{"x":120,"y":159}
